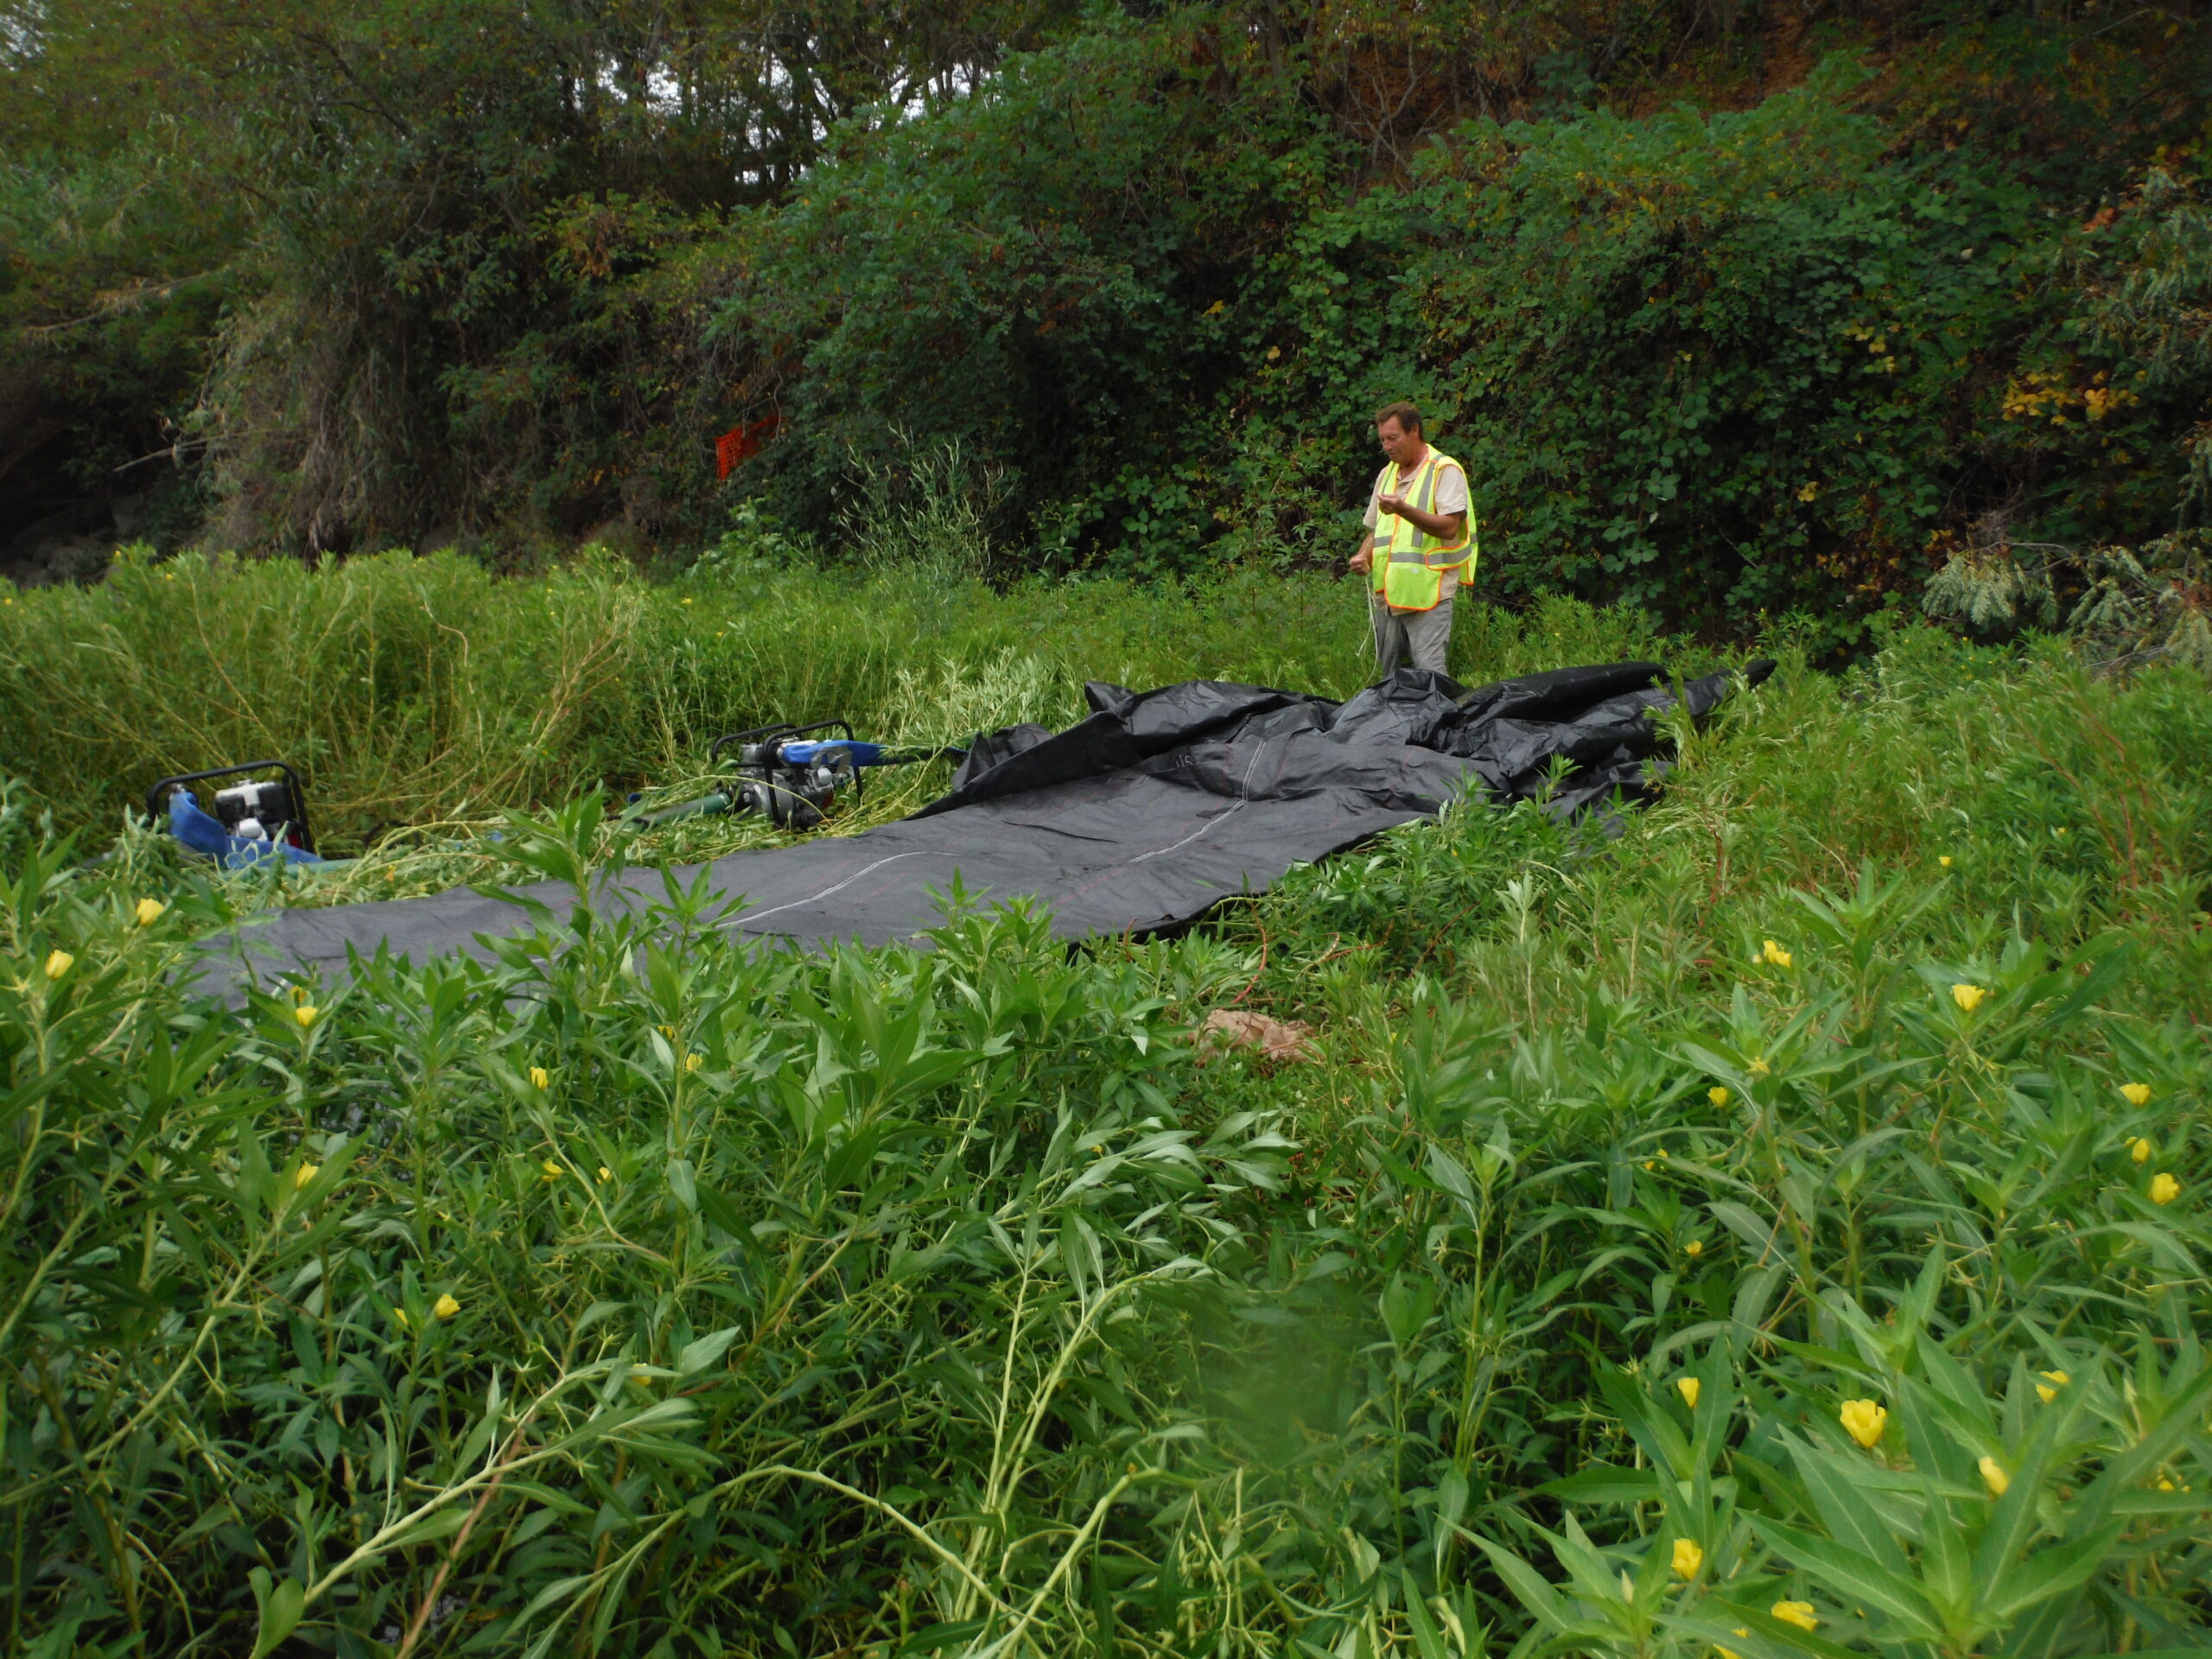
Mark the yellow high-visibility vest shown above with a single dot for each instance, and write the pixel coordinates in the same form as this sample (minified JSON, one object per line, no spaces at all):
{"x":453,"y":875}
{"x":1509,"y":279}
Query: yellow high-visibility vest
{"x":1409,"y":563}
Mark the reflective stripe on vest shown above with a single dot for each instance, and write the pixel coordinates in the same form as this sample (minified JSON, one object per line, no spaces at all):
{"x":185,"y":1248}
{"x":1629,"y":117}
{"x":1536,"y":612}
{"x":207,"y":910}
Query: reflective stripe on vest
{"x":1409,"y":563}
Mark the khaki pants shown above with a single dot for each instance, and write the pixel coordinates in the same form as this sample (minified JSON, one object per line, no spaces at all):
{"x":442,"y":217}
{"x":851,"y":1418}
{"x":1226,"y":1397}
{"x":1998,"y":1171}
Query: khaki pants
{"x":1409,"y":639}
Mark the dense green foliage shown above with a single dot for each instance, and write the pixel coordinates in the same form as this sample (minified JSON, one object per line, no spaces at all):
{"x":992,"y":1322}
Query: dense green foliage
{"x":1757,"y":334}
{"x":1721,"y":366}
{"x":417,"y":210}
{"x":1729,"y":315}
{"x":629,"y":1296}
{"x":112,"y":291}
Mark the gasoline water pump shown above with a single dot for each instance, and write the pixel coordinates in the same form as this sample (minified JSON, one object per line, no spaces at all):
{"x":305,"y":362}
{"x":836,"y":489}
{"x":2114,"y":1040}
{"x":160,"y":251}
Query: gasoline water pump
{"x":787,"y":774}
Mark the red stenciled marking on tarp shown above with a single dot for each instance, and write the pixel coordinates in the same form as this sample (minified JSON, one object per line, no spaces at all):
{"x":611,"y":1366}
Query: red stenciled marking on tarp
{"x":741,"y":443}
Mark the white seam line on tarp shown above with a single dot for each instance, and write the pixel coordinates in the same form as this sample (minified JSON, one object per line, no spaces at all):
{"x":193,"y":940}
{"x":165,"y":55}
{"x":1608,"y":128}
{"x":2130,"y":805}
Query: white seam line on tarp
{"x":1243,"y":795}
{"x":742,"y":920}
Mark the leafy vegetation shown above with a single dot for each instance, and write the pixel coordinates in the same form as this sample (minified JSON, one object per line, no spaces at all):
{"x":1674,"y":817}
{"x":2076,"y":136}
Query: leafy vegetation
{"x":1773,"y":1226}
{"x":1780,"y":1229}
{"x":1731,"y":316}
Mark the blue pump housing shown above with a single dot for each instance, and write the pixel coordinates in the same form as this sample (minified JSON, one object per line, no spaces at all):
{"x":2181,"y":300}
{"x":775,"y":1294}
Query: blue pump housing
{"x":206,"y":835}
{"x":863,"y":755}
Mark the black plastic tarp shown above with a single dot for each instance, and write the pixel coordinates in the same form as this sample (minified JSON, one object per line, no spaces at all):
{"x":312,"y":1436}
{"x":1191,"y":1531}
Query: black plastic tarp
{"x":1135,"y":820}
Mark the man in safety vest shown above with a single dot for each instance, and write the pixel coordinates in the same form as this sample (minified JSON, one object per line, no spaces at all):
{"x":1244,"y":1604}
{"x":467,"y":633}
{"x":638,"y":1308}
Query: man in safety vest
{"x":1419,"y":545}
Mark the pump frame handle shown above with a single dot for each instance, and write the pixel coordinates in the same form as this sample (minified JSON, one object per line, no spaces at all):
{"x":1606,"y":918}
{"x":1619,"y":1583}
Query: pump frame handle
{"x":760,"y":733}
{"x":157,"y":797}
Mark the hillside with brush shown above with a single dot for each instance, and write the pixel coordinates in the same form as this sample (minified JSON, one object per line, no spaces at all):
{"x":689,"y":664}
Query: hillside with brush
{"x":1731,"y":313}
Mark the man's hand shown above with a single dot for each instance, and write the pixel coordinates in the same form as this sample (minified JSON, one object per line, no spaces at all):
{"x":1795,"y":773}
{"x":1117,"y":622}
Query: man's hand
{"x":1393,"y":505}
{"x":1362,"y":561}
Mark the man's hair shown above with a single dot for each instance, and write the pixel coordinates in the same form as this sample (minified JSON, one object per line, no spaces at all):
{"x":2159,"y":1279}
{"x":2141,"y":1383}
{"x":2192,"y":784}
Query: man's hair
{"x":1403,"y":413}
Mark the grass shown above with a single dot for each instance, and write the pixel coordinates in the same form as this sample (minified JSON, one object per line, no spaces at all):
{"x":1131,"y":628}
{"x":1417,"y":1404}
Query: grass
{"x":667,"y":1301}
{"x":419,"y":692}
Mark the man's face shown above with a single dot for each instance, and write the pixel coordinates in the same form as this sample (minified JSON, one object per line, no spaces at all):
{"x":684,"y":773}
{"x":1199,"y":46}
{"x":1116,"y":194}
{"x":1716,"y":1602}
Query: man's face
{"x":1400,"y":445}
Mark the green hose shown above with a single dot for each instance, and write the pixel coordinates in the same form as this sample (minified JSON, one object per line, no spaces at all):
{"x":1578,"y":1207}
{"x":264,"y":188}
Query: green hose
{"x":706,"y":806}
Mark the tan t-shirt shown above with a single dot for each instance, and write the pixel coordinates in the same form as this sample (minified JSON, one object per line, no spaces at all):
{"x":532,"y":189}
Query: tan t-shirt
{"x":1450,"y":497}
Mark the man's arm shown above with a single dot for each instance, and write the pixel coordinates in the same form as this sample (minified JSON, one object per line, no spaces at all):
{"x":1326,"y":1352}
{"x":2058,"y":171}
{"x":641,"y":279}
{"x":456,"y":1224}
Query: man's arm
{"x":1446,"y":526}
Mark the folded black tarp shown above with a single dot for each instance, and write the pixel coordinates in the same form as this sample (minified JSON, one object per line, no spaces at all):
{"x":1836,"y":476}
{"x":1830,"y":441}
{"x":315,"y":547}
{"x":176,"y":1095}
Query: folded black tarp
{"x":1137,"y":820}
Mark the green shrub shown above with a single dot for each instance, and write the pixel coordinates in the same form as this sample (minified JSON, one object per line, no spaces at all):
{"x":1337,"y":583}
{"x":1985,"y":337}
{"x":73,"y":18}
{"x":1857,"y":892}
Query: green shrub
{"x":1722,"y":365}
{"x":1735,"y":356}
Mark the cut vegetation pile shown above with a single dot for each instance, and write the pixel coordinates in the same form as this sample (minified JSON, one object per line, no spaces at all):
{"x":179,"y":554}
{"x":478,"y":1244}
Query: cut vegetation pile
{"x":1781,"y":1229}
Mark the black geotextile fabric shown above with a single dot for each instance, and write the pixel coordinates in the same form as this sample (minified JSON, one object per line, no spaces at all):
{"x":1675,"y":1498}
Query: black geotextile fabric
{"x":1137,"y":820}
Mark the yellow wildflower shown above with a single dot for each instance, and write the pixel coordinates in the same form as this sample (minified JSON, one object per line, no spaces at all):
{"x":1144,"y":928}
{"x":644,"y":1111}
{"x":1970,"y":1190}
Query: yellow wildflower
{"x":2140,"y":1149}
{"x":1687,"y":1558}
{"x":1799,"y":1613}
{"x":305,"y":1013}
{"x":148,"y":910}
{"x":605,"y":1174}
{"x":1688,"y":1387}
{"x":552,"y":1170}
{"x":1775,"y":954}
{"x":1695,"y":1247}
{"x":2163,"y":1188}
{"x":306,"y":1172}
{"x":540,"y":1078}
{"x":2048,"y":1391}
{"x":1717,"y":1095}
{"x":446,"y":1306}
{"x":1729,"y":1653}
{"x":2135,"y":1094}
{"x":1969,"y":997}
{"x":693,"y":1062}
{"x":399,"y":1318}
{"x":1865,"y":1420}
{"x":59,"y":963}
{"x":668,"y":1032}
{"x":1994,"y":1478}
{"x":1757,"y":1068}
{"x":1944,"y":860}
